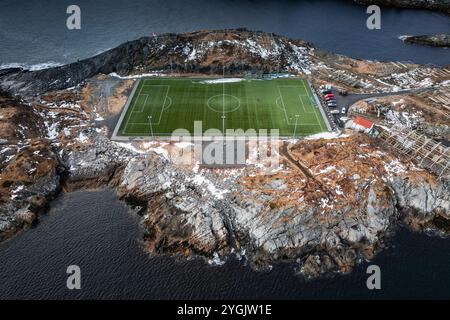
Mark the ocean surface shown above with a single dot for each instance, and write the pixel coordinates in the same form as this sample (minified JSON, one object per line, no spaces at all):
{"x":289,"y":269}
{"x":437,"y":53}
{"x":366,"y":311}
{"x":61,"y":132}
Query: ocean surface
{"x":94,"y":230}
{"x":34,"y":33}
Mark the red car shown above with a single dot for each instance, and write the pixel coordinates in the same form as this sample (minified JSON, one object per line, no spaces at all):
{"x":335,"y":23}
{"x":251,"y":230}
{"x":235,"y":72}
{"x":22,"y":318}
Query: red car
{"x":329,"y":95}
{"x":329,"y":98}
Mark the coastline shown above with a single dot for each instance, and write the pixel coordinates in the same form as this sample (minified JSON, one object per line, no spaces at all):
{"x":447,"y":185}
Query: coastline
{"x":326,"y":233}
{"x":90,"y":229}
{"x":439,"y":40}
{"x":440,"y":6}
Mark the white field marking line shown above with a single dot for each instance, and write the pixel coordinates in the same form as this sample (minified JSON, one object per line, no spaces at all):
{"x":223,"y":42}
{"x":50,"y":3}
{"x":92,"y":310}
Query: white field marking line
{"x":301,"y":124}
{"x":162,"y":108}
{"x":143,"y":81}
{"x":318,"y":120}
{"x":223,"y":103}
{"x":299,"y":95}
{"x":256,"y":111}
{"x":164,"y":104}
{"x":145,"y":101}
{"x":155,"y":134}
{"x":155,"y":85}
{"x":170,"y":103}
{"x":315,"y":113}
{"x":277,"y":103}
{"x":284,"y":107}
{"x":285,"y":113}
{"x":253,"y":102}
{"x":303,"y":105}
{"x":132,"y":107}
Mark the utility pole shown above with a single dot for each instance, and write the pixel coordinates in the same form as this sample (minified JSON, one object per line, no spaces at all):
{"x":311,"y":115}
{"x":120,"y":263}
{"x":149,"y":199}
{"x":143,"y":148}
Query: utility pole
{"x":296,"y":121}
{"x":223,"y":124}
{"x":150,"y":123}
{"x":223,"y":100}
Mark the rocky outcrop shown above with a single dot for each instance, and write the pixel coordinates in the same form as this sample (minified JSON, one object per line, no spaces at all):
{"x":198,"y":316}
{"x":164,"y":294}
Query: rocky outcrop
{"x":29,"y":179}
{"x":183,"y":213}
{"x":179,"y":217}
{"x":121,"y":60}
{"x":436,"y":131}
{"x":439,"y":5}
{"x":439,"y":40}
{"x":423,"y":199}
{"x":169,"y":51}
{"x":29,"y":167}
{"x":95,"y":163}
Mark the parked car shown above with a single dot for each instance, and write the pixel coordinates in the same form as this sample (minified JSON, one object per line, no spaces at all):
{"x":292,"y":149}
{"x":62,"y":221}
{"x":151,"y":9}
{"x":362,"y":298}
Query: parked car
{"x":329,"y":98}
{"x":336,"y":111}
{"x":330,"y":95}
{"x":326,"y":91}
{"x":343,"y":111}
{"x":331,"y":104}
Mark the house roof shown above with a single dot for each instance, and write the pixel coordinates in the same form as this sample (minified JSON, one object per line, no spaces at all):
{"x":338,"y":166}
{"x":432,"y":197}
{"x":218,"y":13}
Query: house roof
{"x":363,"y":122}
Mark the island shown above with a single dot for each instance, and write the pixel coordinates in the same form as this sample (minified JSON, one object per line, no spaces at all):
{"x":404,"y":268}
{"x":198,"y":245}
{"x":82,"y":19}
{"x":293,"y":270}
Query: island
{"x":333,"y":199}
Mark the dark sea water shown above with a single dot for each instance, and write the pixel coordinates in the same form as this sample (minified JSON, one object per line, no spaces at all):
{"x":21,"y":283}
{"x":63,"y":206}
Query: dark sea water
{"x":97,"y":232}
{"x":34,"y":32}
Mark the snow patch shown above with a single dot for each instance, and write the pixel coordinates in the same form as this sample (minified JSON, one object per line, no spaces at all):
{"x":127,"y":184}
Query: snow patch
{"x":200,"y":180}
{"x":326,"y":135}
{"x":222,"y":80}
{"x":82,"y":138}
{"x":15,"y":192}
{"x":52,"y":132}
{"x":138,"y":76}
{"x":32,"y":67}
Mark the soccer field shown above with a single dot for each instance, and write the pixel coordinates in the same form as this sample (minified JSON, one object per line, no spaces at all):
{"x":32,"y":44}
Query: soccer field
{"x":161,"y":105}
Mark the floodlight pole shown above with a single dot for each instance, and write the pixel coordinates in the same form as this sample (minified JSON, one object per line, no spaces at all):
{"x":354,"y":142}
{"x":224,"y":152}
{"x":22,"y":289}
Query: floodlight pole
{"x":223,"y":124}
{"x":295,"y":127}
{"x":223,"y":100}
{"x":150,"y":123}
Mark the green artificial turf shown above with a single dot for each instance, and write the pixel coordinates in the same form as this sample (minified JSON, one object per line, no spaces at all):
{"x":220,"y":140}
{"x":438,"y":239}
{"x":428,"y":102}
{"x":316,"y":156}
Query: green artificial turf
{"x":174,"y":103}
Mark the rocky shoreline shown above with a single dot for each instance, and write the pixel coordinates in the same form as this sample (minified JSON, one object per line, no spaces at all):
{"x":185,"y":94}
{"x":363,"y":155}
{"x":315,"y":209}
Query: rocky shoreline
{"x":442,"y":6}
{"x":439,"y":40}
{"x":327,"y":205}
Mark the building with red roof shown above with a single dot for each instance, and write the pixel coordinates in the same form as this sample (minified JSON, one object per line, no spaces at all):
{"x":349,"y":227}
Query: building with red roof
{"x":367,"y":124}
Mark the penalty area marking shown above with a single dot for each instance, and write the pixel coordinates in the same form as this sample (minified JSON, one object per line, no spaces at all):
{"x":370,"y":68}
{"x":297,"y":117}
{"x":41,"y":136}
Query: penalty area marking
{"x":300,"y":106}
{"x":314,"y":110}
{"x":164,"y":107}
{"x":142,"y":105}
